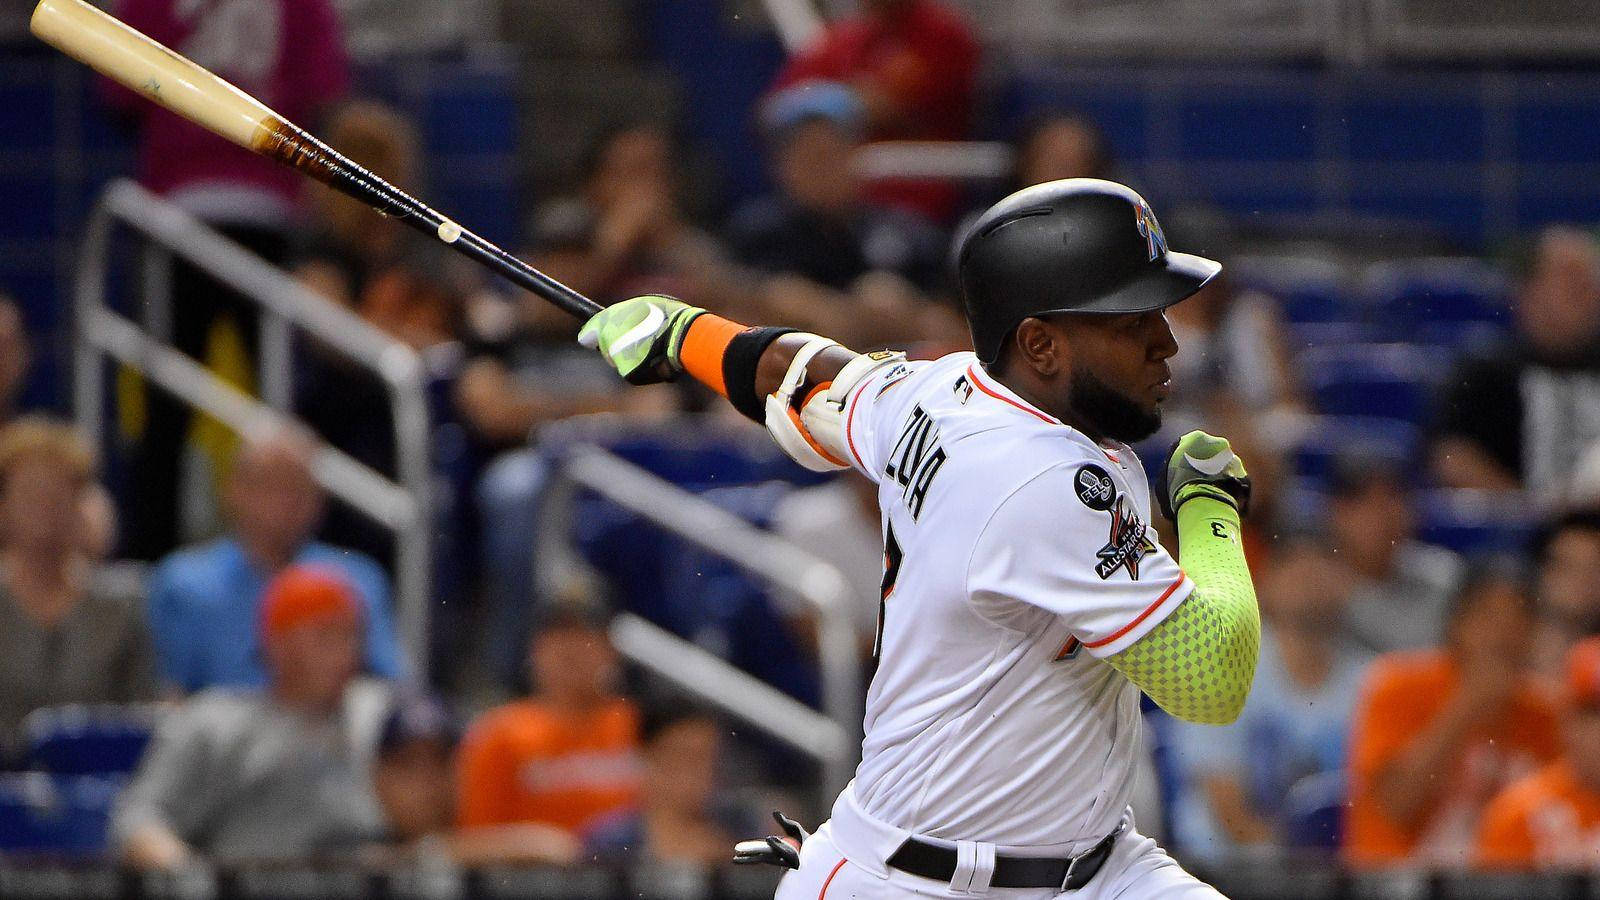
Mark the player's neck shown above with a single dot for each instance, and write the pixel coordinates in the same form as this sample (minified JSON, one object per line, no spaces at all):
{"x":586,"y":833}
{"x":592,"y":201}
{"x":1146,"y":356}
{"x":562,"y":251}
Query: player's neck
{"x":1037,"y":394}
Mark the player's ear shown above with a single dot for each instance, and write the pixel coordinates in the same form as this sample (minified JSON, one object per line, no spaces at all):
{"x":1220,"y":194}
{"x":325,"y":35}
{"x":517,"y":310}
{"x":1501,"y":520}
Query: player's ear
{"x":1041,"y":348}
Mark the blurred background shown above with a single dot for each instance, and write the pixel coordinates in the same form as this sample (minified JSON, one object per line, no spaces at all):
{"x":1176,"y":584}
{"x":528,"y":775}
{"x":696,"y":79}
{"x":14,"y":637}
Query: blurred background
{"x":330,"y":566}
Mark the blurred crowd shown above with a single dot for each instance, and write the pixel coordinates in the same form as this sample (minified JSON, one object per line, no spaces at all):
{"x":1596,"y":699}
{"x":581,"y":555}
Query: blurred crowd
{"x":1429,"y":685}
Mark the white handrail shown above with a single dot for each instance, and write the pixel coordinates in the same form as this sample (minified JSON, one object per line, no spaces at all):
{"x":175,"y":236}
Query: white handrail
{"x":190,"y":382}
{"x":797,"y":22}
{"x":761,"y":553}
{"x":400,"y":505}
{"x":717,"y":682}
{"x":956,"y":160}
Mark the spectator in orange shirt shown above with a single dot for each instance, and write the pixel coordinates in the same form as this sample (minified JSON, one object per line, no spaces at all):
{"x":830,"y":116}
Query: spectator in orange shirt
{"x":1439,"y":732}
{"x":1552,"y":819}
{"x":559,"y":758}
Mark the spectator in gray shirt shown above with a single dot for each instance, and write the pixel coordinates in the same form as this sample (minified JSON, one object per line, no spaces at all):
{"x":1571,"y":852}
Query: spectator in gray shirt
{"x":281,"y":773}
{"x":66,"y":636}
{"x":1399,"y":586}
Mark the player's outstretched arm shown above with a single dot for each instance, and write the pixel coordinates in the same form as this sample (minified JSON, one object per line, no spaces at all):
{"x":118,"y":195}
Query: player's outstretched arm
{"x":791,"y":381}
{"x":1199,"y":663}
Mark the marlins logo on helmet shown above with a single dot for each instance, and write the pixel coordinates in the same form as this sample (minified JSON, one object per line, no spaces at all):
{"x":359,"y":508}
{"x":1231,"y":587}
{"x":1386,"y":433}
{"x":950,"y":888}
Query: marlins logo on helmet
{"x":1155,"y":238}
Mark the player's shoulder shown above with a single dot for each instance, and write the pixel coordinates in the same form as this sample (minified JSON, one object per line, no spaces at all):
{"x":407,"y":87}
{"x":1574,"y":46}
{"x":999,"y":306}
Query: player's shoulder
{"x":993,"y":426}
{"x":887,"y":393}
{"x":923,"y":372}
{"x":1060,"y":487}
{"x":990,"y":432}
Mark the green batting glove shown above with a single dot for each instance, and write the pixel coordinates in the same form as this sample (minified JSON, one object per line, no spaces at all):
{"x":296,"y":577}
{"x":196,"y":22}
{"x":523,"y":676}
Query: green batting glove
{"x":641,"y":337}
{"x":1201,"y":465}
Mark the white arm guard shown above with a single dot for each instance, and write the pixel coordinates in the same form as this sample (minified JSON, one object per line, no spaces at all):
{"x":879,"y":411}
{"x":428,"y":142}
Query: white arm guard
{"x":814,"y":437}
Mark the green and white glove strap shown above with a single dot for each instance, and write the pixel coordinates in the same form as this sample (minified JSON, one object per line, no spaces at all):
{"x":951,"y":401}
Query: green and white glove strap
{"x":641,"y":337}
{"x":1203,"y":465}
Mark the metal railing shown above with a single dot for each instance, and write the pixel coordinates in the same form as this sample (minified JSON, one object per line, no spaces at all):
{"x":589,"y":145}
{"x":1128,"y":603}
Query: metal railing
{"x":833,"y":739}
{"x":797,"y":22}
{"x":707,"y":676}
{"x":401,"y":504}
{"x":958,"y":160}
{"x":1352,"y":32}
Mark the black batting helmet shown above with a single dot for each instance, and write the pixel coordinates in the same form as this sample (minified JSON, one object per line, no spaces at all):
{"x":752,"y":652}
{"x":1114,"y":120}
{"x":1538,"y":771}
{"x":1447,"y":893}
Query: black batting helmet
{"x":1081,"y":245}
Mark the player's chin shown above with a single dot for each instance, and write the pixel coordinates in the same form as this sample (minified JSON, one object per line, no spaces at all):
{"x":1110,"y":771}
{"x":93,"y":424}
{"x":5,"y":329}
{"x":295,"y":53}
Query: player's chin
{"x":1138,"y":422}
{"x":1152,"y":422}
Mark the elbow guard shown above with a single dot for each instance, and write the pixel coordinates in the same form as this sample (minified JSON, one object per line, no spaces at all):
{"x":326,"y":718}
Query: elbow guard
{"x":814,"y":435}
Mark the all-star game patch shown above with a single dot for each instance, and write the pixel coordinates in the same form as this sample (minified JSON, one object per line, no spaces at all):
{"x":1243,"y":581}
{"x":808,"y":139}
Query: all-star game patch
{"x":1127,"y":544}
{"x":1095,"y":488}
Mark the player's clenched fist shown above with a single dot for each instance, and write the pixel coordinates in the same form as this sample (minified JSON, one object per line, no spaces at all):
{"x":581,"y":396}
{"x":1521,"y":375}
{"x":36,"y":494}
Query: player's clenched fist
{"x":1202,"y":465}
{"x":641,"y":337}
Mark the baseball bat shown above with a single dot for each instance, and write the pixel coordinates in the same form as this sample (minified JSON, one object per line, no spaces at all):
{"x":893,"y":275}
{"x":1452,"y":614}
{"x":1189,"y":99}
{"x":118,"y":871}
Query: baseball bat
{"x":123,"y":54}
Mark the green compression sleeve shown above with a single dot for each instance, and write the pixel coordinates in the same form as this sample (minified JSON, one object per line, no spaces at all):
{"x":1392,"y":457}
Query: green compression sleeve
{"x":1199,"y":662}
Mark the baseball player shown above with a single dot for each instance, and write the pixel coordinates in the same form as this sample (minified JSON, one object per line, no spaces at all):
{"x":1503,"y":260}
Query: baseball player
{"x":1025,"y":601}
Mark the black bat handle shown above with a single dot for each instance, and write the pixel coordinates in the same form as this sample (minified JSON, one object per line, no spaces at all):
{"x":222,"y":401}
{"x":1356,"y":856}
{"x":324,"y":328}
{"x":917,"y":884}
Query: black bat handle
{"x":301,"y":150}
{"x":513,"y":269}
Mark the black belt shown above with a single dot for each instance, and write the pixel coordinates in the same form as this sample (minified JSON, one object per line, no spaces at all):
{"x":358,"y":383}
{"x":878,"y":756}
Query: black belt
{"x":919,"y":857}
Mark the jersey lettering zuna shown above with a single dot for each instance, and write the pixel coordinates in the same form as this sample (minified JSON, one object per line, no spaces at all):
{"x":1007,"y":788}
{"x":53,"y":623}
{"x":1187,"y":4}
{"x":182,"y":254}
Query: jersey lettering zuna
{"x":1017,"y":557}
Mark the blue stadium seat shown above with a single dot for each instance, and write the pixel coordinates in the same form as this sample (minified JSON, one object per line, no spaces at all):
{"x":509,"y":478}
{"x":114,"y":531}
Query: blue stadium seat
{"x":1462,"y":338}
{"x":692,"y":457}
{"x":1325,"y":439}
{"x":88,"y":740}
{"x":22,"y":796}
{"x":1395,"y":381}
{"x":677,"y":585}
{"x":1309,"y":289}
{"x":659,"y":575}
{"x":1475,"y":522}
{"x":1313,"y":811}
{"x":721,"y":465}
{"x":1451,"y":297}
{"x":49,"y":815}
{"x":1303,"y":335}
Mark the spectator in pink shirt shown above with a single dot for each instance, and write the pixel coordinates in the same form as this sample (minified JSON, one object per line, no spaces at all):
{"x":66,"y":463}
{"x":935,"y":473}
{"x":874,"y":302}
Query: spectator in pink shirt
{"x":914,"y":64}
{"x":290,"y":54}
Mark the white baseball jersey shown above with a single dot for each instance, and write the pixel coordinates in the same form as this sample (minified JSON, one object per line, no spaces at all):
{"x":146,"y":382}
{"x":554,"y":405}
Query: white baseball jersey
{"x":1016,"y":557}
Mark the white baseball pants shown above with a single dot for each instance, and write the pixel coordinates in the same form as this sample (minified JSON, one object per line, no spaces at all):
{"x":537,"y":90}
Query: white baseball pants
{"x":1137,"y":869}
